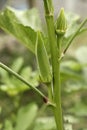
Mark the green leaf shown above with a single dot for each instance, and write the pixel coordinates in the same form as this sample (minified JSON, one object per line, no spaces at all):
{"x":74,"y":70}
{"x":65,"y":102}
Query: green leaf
{"x":72,"y":20}
{"x":30,"y":76}
{"x":45,"y":123}
{"x":72,"y":70}
{"x":81,"y":54}
{"x":10,"y":23}
{"x":28,"y":18}
{"x":26,"y":117}
{"x":17,"y":64}
{"x":8,"y":125}
{"x":80,"y":109}
{"x":3,"y":75}
{"x":72,"y":65}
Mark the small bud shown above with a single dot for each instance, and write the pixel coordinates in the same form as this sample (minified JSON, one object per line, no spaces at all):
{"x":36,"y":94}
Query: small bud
{"x":61,"y":24}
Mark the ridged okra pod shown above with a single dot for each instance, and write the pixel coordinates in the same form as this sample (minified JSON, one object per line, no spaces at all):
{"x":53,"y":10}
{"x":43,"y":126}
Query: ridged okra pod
{"x":43,"y":60}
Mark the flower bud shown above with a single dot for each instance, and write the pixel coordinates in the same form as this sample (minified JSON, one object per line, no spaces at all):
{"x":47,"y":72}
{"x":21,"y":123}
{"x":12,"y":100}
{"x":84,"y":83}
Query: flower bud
{"x":61,"y":24}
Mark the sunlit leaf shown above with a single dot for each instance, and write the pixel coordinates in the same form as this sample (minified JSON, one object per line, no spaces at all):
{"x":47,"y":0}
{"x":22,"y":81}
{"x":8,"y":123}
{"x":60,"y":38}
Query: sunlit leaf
{"x":11,"y":24}
{"x":28,"y":17}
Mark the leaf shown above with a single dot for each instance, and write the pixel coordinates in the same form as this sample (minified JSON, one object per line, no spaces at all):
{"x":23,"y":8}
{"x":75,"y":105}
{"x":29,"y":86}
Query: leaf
{"x":71,"y":30}
{"x":72,"y":17}
{"x":72,"y":70}
{"x":17,"y":64}
{"x":10,"y":23}
{"x":26,"y":72}
{"x":73,"y":76}
{"x":8,"y":125}
{"x":30,"y":76}
{"x":80,"y":109}
{"x":26,"y":117}
{"x":45,"y":123}
{"x":28,"y":18}
{"x":72,"y":65}
{"x":3,"y":75}
{"x":72,"y":20}
{"x":23,"y":25}
{"x":81,"y":54}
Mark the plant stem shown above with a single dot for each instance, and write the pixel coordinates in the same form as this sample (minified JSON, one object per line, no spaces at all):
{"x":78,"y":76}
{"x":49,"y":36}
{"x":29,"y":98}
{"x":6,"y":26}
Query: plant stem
{"x":58,"y":94}
{"x":55,"y":65}
{"x":21,"y":79}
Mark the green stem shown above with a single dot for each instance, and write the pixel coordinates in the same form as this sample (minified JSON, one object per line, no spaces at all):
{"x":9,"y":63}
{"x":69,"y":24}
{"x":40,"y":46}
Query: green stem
{"x":74,"y":35}
{"x":55,"y":67}
{"x":21,"y":79}
{"x":48,"y":6}
{"x":58,"y":93}
{"x":82,"y":31}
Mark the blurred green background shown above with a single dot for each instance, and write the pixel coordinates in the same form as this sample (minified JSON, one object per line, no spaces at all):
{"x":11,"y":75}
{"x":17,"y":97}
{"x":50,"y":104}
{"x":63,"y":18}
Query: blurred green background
{"x":20,"y":107}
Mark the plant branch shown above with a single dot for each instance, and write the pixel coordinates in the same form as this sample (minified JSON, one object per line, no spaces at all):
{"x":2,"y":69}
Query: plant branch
{"x":21,"y":79}
{"x":82,"y":31}
{"x":74,"y":35}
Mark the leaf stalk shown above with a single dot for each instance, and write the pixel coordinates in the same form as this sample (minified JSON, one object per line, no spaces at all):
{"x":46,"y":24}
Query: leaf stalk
{"x":21,"y":79}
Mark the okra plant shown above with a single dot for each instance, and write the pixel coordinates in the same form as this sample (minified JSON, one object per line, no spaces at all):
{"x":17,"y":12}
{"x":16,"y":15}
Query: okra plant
{"x":48,"y":62}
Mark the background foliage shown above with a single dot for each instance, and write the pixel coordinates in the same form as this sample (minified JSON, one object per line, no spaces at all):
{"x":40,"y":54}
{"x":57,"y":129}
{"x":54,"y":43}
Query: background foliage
{"x":20,"y":107}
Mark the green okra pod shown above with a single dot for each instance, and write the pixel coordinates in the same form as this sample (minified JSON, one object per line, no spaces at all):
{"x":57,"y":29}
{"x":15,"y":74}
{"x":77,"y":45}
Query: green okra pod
{"x":43,"y":60}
